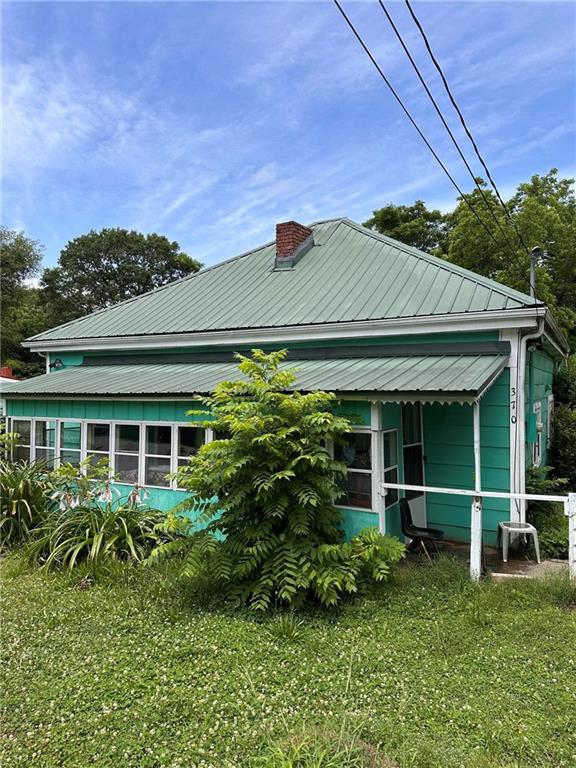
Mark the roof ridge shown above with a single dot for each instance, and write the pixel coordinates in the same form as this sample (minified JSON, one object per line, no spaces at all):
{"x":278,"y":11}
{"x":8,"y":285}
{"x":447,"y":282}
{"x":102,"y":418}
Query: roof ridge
{"x":487,"y":282}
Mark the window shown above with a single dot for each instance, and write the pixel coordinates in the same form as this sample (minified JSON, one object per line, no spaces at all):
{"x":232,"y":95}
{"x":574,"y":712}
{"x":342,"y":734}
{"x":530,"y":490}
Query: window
{"x":157,"y":455}
{"x":97,"y":442}
{"x":356,"y":452}
{"x":70,"y":442}
{"x":127,"y":453}
{"x":391,"y":464}
{"x":550,"y":421}
{"x":537,"y":445}
{"x":189,"y":441}
{"x":45,"y":442}
{"x":23,"y":427}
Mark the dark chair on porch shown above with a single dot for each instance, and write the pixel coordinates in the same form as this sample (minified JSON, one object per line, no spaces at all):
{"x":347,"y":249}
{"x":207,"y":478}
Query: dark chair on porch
{"x":419,"y":538}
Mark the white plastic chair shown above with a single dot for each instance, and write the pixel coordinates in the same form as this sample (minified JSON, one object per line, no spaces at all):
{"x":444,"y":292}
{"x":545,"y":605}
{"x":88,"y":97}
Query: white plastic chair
{"x":525,"y":529}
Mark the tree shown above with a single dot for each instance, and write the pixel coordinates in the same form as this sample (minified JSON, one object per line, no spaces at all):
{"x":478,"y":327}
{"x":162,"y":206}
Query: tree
{"x":274,"y":535}
{"x":23,"y":313}
{"x":413,"y":225}
{"x":544,"y":212}
{"x":103,"y":268}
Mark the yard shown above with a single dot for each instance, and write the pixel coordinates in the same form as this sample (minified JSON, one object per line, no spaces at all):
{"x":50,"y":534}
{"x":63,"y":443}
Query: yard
{"x":434,"y":671}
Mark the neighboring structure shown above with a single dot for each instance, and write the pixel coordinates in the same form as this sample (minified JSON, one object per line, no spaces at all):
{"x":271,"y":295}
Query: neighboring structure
{"x":6,"y":377}
{"x":425,"y":355}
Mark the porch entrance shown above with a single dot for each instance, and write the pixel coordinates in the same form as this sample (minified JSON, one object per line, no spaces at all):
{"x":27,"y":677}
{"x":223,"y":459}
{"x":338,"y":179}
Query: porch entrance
{"x":413,"y":456}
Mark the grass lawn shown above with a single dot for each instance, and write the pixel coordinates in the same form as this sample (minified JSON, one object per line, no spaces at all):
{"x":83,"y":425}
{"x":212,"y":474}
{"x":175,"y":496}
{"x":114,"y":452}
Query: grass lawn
{"x":434,"y":671}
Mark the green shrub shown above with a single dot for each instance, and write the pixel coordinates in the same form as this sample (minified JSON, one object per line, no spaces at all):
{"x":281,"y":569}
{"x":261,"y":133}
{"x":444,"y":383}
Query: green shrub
{"x":548,"y":517}
{"x":93,"y":534}
{"x":24,"y":500}
{"x":564,"y":444}
{"x":273,"y":534}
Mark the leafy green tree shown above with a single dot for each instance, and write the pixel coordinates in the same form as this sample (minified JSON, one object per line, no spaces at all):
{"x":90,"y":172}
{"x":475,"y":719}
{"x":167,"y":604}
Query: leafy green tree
{"x":543,"y":211}
{"x":274,"y":535}
{"x":103,"y":268}
{"x":23,"y":313}
{"x":413,"y":225}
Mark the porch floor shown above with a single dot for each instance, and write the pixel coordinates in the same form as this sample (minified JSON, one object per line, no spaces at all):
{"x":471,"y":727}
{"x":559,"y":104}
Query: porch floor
{"x":518,"y":565}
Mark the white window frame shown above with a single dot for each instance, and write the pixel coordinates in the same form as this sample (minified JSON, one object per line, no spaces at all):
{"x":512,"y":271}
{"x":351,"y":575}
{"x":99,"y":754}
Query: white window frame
{"x":396,"y":466}
{"x":111,"y":454}
{"x":366,"y":431}
{"x":30,"y":445}
{"x":86,"y":451}
{"x":549,"y":421}
{"x":537,"y":444}
{"x":208,"y":438}
{"x":55,"y":449}
{"x":60,"y":447}
{"x":146,"y":455}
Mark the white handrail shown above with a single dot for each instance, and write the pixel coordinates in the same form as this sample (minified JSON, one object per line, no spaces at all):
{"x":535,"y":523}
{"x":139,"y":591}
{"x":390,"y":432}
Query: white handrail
{"x":569,"y":502}
{"x":468,"y":492}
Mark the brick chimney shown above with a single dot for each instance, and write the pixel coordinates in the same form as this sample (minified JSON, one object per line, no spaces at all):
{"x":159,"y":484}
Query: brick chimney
{"x":293,"y":240}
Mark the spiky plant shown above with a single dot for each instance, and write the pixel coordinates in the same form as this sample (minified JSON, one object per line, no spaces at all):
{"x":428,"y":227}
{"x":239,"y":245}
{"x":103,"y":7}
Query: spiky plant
{"x":24,"y":500}
{"x":273,"y":533}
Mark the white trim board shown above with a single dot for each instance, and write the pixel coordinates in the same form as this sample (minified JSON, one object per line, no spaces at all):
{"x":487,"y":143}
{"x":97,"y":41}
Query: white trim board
{"x":464,"y":321}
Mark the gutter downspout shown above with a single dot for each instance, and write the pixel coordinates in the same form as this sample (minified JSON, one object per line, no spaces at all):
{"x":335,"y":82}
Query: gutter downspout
{"x":522,"y":409}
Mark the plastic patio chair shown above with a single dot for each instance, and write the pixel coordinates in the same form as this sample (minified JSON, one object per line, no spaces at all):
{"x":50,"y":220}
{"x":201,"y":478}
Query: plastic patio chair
{"x":418,"y":537}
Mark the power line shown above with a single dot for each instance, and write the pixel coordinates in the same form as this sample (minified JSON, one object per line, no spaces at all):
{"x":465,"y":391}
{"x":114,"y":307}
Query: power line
{"x":414,"y":123}
{"x":465,"y":126}
{"x":446,"y":126}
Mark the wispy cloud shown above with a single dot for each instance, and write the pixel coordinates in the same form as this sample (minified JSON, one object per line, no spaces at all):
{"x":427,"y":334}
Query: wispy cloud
{"x":209,"y":122}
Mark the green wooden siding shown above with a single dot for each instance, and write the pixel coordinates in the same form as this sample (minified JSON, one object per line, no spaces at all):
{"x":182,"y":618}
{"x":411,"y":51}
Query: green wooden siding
{"x":538,"y":386}
{"x":449,"y":451}
{"x":112,"y":410}
{"x":72,"y":359}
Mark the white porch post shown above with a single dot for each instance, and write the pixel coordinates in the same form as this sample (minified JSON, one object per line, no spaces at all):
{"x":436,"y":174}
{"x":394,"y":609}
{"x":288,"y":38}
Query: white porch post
{"x":476,"y":511}
{"x":378,"y":493}
{"x":570,"y":511}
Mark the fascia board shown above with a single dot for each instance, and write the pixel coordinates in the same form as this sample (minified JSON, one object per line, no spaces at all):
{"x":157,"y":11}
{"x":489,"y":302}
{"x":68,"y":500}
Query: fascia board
{"x":468,"y":321}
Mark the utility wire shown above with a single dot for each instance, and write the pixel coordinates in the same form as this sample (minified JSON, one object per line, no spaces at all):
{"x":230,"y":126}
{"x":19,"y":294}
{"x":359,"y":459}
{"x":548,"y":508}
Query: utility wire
{"x":448,"y":129}
{"x":414,"y":123}
{"x":465,"y":126}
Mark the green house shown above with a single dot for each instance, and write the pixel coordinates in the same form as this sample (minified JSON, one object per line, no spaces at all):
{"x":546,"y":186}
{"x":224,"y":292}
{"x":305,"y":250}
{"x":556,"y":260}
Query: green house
{"x":428,"y":358}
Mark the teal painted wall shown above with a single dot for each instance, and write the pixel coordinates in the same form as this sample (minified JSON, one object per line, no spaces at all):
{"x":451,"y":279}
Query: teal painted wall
{"x":119,"y":410}
{"x":537,"y":386}
{"x":449,"y":451}
{"x":72,"y":359}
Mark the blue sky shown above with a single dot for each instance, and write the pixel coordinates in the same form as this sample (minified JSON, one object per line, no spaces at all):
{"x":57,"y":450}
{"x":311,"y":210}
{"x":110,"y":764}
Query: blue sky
{"x":209,"y":122}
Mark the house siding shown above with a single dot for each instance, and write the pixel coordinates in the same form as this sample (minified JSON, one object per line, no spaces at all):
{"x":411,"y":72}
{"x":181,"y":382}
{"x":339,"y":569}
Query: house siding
{"x":449,"y":452}
{"x":539,"y":378}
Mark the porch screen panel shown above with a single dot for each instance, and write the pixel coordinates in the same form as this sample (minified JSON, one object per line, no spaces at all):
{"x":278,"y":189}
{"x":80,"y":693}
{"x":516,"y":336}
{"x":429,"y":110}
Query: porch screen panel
{"x":391,"y":464}
{"x":21,"y":451}
{"x":97,"y":442}
{"x":127,"y":453}
{"x":45,"y":442}
{"x":356,"y":452}
{"x":412,"y":449}
{"x":158,"y":455}
{"x":189,"y":441}
{"x":70,"y":442}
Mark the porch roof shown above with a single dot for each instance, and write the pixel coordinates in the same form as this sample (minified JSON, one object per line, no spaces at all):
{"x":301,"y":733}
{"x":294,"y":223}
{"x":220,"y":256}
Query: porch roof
{"x":424,"y":378}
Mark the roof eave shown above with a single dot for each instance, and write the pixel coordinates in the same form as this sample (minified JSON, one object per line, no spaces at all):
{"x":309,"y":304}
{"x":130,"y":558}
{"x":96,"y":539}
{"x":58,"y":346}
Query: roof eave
{"x":521,"y":318}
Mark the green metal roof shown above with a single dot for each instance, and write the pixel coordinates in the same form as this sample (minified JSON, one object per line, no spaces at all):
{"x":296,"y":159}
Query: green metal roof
{"x":450,"y":375}
{"x":351,"y":274}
